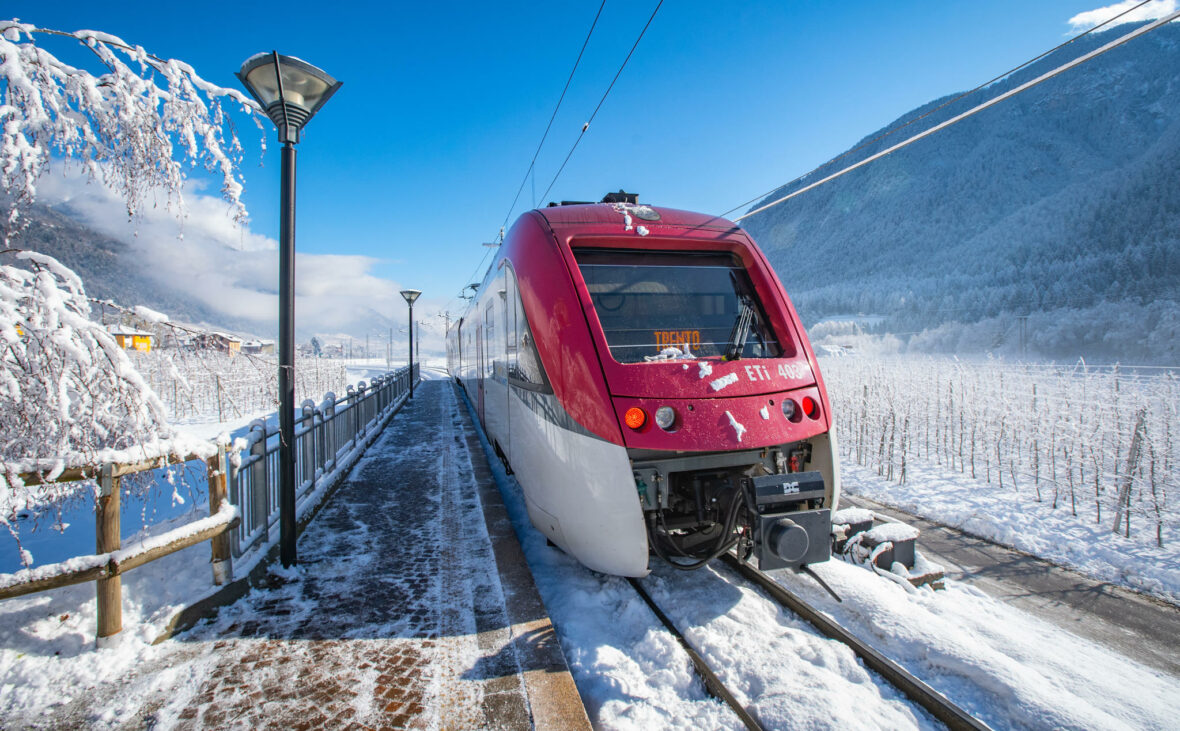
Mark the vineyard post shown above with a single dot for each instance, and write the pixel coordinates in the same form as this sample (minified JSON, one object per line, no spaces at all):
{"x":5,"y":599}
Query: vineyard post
{"x":1124,"y":501}
{"x":109,"y":591}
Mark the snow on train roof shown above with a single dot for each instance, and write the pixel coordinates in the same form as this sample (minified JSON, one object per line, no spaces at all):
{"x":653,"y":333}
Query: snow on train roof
{"x":613,"y":213}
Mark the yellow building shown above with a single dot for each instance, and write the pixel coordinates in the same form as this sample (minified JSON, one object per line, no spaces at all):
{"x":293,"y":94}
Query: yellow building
{"x":131,"y":339}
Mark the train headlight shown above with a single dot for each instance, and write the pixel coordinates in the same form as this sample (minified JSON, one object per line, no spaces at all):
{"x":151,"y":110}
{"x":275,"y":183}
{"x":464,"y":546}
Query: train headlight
{"x":665,"y":417}
{"x":635,"y":418}
{"x":790,"y":410}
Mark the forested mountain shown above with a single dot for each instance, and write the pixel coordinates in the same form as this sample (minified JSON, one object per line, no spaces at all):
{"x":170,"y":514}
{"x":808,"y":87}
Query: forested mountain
{"x":1062,"y":204}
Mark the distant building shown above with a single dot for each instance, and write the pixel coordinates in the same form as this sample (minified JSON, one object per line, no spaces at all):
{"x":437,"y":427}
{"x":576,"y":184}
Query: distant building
{"x":130,"y":338}
{"x":257,"y":347}
{"x":218,"y":341}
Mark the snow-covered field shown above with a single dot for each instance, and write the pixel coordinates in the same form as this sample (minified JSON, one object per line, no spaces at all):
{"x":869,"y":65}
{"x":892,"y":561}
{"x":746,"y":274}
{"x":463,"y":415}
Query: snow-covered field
{"x":1019,"y":521}
{"x":1033,"y":456}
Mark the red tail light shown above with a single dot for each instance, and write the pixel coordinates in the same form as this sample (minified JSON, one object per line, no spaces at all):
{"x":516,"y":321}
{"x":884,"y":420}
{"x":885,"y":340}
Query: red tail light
{"x":810,"y":407}
{"x":635,"y":417}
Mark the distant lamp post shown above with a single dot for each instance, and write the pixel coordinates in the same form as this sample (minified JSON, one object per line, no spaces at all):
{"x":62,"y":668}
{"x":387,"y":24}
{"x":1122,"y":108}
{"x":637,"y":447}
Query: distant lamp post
{"x":411,"y":295}
{"x":290,"y":91}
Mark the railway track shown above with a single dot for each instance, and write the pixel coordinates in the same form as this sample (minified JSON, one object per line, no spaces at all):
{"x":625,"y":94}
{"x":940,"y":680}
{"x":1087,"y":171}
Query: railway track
{"x":939,"y":706}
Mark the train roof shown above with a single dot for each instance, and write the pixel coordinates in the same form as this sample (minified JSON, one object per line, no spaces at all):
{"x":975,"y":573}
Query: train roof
{"x":611,"y":213}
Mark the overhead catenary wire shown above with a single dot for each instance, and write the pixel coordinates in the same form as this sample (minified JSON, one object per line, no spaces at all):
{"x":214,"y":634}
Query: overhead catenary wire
{"x":553,"y":116}
{"x":594,"y":114}
{"x":958,"y":118}
{"x":585,"y":126}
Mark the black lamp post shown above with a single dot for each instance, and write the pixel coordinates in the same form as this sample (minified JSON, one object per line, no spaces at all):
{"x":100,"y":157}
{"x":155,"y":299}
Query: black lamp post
{"x":290,"y":91}
{"x":411,"y":295}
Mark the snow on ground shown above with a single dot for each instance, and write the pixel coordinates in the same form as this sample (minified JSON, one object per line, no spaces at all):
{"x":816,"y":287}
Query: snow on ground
{"x":1014,"y":518}
{"x":1008,"y":668}
{"x":47,"y":639}
{"x":632,"y":674}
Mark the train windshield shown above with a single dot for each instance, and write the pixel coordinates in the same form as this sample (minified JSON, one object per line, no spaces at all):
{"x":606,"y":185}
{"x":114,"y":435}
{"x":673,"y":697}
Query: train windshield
{"x":700,"y":303}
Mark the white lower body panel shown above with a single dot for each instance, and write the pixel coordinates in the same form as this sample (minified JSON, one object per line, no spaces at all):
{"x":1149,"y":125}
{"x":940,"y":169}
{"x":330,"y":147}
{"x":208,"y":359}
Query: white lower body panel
{"x":580,"y":491}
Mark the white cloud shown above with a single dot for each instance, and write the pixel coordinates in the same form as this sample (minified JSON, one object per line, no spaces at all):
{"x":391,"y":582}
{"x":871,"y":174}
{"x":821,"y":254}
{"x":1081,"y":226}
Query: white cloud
{"x":234,"y":271}
{"x":1150,"y":11}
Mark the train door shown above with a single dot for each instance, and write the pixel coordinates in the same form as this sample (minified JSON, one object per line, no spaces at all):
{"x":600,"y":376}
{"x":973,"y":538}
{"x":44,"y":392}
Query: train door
{"x":479,"y":370}
{"x":507,"y":301}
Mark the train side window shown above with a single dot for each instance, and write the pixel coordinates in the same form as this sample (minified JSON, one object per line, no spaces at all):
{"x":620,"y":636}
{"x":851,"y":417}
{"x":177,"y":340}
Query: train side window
{"x":525,"y":370}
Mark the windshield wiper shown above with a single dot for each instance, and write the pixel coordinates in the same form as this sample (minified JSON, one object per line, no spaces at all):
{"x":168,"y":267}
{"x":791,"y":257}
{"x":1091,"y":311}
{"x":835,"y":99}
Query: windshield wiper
{"x":741,"y":329}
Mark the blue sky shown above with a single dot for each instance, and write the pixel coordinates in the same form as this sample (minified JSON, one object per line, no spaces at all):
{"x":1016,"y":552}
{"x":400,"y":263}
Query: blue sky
{"x":416,"y":160}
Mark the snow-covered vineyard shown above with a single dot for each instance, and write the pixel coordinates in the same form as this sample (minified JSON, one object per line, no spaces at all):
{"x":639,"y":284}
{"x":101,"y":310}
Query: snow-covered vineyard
{"x":1101,"y":443}
{"x":199,"y":386}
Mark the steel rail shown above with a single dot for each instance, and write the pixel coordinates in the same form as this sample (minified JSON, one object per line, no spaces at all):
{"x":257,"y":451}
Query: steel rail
{"x":934,"y":702}
{"x":713,"y":684}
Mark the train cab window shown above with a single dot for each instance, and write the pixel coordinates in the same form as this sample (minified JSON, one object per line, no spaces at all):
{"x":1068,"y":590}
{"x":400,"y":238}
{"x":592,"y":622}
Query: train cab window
{"x":701,"y":303}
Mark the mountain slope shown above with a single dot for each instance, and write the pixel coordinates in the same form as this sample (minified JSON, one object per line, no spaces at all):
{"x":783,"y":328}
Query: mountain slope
{"x":110,"y":270}
{"x":1062,"y":204}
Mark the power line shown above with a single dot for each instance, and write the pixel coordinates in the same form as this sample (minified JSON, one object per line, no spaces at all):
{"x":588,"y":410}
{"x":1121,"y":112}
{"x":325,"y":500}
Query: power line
{"x":973,"y":111}
{"x":553,"y":116}
{"x":586,"y":126}
{"x":541,"y":144}
{"x":945,"y":104}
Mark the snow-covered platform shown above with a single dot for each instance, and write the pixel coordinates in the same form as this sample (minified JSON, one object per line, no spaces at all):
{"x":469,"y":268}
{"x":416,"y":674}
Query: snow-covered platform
{"x":411,"y":607}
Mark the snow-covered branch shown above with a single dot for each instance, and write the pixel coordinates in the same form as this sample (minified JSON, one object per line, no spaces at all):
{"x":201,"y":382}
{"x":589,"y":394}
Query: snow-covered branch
{"x":137,"y":125}
{"x":69,"y":395}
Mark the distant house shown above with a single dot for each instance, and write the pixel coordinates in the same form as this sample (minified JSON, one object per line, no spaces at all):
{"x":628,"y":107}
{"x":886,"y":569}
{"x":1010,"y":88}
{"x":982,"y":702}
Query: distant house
{"x":130,"y":338}
{"x":218,"y":341}
{"x":257,"y":347}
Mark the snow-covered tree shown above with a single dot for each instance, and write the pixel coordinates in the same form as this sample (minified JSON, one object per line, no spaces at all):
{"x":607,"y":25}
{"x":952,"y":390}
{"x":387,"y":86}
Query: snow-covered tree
{"x":69,"y":396}
{"x":137,"y":125}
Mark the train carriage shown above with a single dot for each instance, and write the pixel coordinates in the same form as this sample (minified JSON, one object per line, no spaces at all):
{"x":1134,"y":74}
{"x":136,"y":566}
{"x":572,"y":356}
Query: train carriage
{"x":643,"y":373}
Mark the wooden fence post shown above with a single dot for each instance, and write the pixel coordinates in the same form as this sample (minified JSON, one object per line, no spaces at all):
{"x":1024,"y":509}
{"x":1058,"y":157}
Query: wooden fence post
{"x":222,"y":561}
{"x":109,"y":591}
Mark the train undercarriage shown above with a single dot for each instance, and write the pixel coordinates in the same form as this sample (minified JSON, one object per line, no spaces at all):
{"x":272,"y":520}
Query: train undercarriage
{"x":770,"y":504}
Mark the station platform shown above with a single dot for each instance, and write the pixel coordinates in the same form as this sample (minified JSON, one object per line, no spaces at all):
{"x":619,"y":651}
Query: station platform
{"x":411,"y":606}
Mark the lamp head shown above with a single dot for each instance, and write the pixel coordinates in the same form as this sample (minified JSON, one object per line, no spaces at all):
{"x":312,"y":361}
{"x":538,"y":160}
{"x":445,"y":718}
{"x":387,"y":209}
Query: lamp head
{"x":289,"y":90}
{"x":411,"y":295}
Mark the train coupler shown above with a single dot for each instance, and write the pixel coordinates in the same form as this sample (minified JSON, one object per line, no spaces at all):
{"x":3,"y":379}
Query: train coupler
{"x":787,"y":531}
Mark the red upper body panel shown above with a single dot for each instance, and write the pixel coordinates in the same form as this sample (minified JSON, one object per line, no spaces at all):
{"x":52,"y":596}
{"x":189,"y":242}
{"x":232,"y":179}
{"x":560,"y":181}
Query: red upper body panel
{"x":594,"y":388}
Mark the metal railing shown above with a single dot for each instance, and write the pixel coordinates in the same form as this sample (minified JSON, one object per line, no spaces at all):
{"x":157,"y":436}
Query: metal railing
{"x":327,"y":440}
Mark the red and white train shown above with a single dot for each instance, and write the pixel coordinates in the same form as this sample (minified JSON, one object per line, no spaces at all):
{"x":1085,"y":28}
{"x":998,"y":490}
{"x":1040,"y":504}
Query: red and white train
{"x":644,"y":375}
